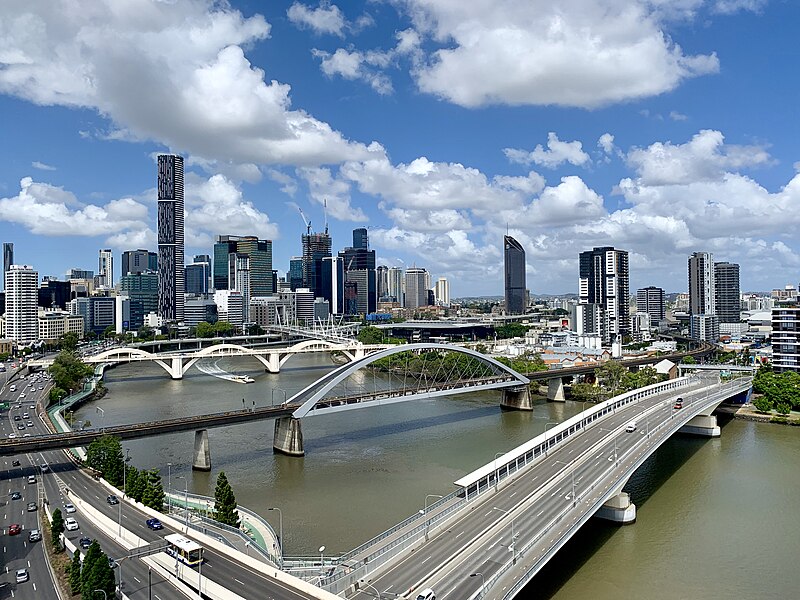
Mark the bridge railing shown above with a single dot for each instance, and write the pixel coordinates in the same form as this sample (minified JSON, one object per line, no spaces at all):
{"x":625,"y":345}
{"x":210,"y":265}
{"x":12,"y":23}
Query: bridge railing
{"x":723,"y":391}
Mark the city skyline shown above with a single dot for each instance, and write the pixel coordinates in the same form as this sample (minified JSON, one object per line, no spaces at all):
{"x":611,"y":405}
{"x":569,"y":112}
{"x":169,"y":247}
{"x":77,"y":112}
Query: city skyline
{"x":381,"y":113}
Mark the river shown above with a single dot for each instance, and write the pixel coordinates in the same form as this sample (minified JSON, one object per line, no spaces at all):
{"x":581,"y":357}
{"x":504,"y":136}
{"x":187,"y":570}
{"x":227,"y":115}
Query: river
{"x":715,"y":516}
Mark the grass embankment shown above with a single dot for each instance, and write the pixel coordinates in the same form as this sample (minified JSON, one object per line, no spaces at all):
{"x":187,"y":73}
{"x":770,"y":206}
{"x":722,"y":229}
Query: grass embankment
{"x":59,"y":560}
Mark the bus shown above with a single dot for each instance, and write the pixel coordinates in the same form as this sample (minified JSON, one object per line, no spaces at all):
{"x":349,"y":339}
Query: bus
{"x":185,"y":550}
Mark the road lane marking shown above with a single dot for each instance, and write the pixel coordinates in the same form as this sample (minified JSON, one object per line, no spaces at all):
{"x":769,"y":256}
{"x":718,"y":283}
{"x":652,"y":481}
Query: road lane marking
{"x":237,"y":581}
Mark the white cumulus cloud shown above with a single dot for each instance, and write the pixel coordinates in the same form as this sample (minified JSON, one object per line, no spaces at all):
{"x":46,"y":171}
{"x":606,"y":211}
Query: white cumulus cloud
{"x":325,"y":18}
{"x":557,"y":153}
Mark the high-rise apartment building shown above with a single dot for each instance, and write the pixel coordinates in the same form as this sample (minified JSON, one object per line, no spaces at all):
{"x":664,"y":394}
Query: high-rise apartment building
{"x":514,"y":275}
{"x":22,"y":304}
{"x":416,"y":288}
{"x":702,"y":289}
{"x":728,"y":295}
{"x":396,"y":286}
{"x":139,"y":261}
{"x":8,"y":259}
{"x":171,"y":282}
{"x":333,"y":283}
{"x":260,"y":253}
{"x":239,"y":279}
{"x":105,"y":268}
{"x":604,"y":280}
{"x":786,"y":337}
{"x":442,"y":292}
{"x":650,"y":300}
{"x":382,"y":281}
{"x":316,"y":246}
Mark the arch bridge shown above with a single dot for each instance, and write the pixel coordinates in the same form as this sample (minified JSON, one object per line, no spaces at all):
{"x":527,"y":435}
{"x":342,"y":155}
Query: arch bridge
{"x":399,"y":374}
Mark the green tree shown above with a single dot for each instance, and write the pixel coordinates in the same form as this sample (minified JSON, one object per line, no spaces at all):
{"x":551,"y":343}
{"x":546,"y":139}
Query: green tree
{"x":69,"y":341}
{"x":689,"y":360}
{"x":68,"y":371}
{"x":223,"y":329}
{"x":370,"y":335}
{"x":56,"y":529}
{"x":762,"y":404}
{"x":585,"y":392}
{"x":136,"y":482}
{"x":510,"y":330}
{"x":783,"y":408}
{"x":91,"y":559}
{"x":225,"y":502}
{"x":56,"y":394}
{"x":109,"y":331}
{"x":154,"y":491}
{"x":105,"y":455}
{"x":255,"y":329}
{"x":75,"y":574}
{"x":205,"y":330}
{"x":610,"y":377}
{"x":145,"y":334}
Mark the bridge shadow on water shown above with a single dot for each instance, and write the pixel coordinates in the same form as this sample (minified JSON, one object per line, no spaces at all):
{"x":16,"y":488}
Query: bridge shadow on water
{"x":645,"y":482}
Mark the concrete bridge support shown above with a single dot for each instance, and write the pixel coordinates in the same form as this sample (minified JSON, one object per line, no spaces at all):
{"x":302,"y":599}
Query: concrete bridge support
{"x":176,"y":369}
{"x":516,"y":398}
{"x":273,"y":363}
{"x":619,"y":509}
{"x":555,"y":390}
{"x":704,"y":425}
{"x":288,"y":437}
{"x":202,"y":452}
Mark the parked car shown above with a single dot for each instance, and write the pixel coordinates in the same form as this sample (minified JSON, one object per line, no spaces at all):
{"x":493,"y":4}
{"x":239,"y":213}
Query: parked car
{"x":112,"y":499}
{"x":22,"y":575}
{"x":70,"y":524}
{"x":14,"y":529}
{"x":34,"y":535}
{"x":154,"y":524}
{"x":84,"y":543}
{"x":69,"y":508}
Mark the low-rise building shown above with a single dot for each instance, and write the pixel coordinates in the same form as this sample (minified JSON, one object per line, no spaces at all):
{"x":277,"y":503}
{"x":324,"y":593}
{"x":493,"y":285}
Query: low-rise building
{"x":53,"y":324}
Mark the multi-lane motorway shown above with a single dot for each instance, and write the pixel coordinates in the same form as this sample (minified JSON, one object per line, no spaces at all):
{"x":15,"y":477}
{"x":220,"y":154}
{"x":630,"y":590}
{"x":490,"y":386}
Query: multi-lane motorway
{"x":138,"y":581}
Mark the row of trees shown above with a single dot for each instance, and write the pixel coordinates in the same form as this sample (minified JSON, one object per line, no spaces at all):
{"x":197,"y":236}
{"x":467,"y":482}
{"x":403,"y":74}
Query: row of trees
{"x":93,"y":573}
{"x":68,"y":373}
{"x":777,"y":391}
{"x":612,"y":379}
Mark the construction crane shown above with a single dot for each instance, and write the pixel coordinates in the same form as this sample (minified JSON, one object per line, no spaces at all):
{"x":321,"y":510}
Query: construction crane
{"x":306,"y":221}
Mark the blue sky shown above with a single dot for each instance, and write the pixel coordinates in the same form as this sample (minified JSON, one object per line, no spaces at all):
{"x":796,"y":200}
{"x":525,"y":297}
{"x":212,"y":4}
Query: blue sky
{"x":662,"y":127}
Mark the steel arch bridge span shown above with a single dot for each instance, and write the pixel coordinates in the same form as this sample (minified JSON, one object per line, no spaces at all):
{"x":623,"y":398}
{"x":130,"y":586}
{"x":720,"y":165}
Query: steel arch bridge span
{"x":312,"y":399}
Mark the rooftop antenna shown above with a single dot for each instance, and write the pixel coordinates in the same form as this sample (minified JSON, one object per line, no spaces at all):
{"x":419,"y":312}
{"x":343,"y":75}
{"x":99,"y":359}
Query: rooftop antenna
{"x":325,"y":209}
{"x":306,"y":221}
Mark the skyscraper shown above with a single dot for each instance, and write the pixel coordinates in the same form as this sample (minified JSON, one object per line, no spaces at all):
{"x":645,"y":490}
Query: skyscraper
{"x":416,"y":290}
{"x":396,"y":285}
{"x":197,"y":276}
{"x":295,"y":274}
{"x":142,"y":290}
{"x":728,"y":295}
{"x":8,"y":259}
{"x":239,"y":279}
{"x":442,"y":292}
{"x":138,"y":261}
{"x":360,"y":239}
{"x":382,"y":281}
{"x":316,"y":246}
{"x":105,"y":268}
{"x":702,"y":288}
{"x":604,"y":280}
{"x":333,"y":283}
{"x":22,"y":304}
{"x":514,"y":272}
{"x":650,"y":300}
{"x":260,"y":253}
{"x":359,"y":266}
{"x":171,"y":282}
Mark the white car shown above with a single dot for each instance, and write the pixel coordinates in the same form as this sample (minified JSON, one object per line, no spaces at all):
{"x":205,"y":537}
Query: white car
{"x":631,"y":427}
{"x":22,"y":575}
{"x":69,"y":508}
{"x":71,"y":524}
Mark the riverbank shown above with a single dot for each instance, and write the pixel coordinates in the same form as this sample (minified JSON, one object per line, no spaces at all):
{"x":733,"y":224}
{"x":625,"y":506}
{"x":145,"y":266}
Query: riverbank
{"x":748,"y":412}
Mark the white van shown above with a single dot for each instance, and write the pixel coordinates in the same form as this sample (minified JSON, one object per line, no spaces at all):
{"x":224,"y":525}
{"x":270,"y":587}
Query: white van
{"x":631,"y":427}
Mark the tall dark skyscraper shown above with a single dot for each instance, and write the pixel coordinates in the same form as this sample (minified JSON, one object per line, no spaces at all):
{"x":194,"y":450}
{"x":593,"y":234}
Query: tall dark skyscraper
{"x":8,"y":259}
{"x":171,"y":282}
{"x":260,"y":253}
{"x":728,"y":296}
{"x":604,"y":280}
{"x":316,"y":246}
{"x":514,"y":275}
{"x":359,"y":267}
{"x":360,"y":239}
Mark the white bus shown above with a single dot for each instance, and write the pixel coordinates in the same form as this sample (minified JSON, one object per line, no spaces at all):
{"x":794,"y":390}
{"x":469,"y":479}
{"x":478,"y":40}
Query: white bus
{"x":185,"y":550}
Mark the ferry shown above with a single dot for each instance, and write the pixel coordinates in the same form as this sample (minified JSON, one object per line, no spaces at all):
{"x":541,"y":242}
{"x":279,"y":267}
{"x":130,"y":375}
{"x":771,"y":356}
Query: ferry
{"x":242,"y":379}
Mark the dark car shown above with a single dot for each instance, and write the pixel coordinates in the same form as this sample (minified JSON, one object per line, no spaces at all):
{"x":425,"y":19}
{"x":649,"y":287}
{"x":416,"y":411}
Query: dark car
{"x":14,"y":463}
{"x":112,"y":499}
{"x":14,"y":529}
{"x":84,"y":543}
{"x":16,"y":495}
{"x":154,"y":524}
{"x":112,"y":563}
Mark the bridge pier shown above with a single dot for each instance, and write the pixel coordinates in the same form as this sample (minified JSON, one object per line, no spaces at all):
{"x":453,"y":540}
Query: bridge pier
{"x":176,"y":371}
{"x":704,"y":425}
{"x":273,"y":363}
{"x":619,"y":509}
{"x":288,"y":437}
{"x":516,"y":398}
{"x":555,"y":390}
{"x":202,"y":451}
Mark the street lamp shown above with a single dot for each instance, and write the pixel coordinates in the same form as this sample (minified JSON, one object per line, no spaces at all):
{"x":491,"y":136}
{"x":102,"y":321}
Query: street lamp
{"x":272,"y":401}
{"x":496,"y":471}
{"x":124,"y":489}
{"x":321,"y":562}
{"x":169,"y":488}
{"x":512,"y":546}
{"x":615,"y":441}
{"x":185,"y":500}
{"x":483,"y":579}
{"x":572,"y":472}
{"x":280,"y":531}
{"x":424,"y":513}
{"x":103,"y":422}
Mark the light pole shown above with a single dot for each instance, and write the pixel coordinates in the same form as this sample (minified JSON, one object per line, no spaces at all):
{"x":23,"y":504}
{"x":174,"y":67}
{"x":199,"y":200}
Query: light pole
{"x":124,"y":489}
{"x":321,"y":562}
{"x":169,"y":488}
{"x":272,"y":401}
{"x":512,"y":546}
{"x":425,"y":512}
{"x":103,"y":421}
{"x":280,"y":532}
{"x":546,"y":441}
{"x":483,"y":579}
{"x":615,"y":442}
{"x":496,"y":471}
{"x":185,"y":500}
{"x":572,"y":472}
